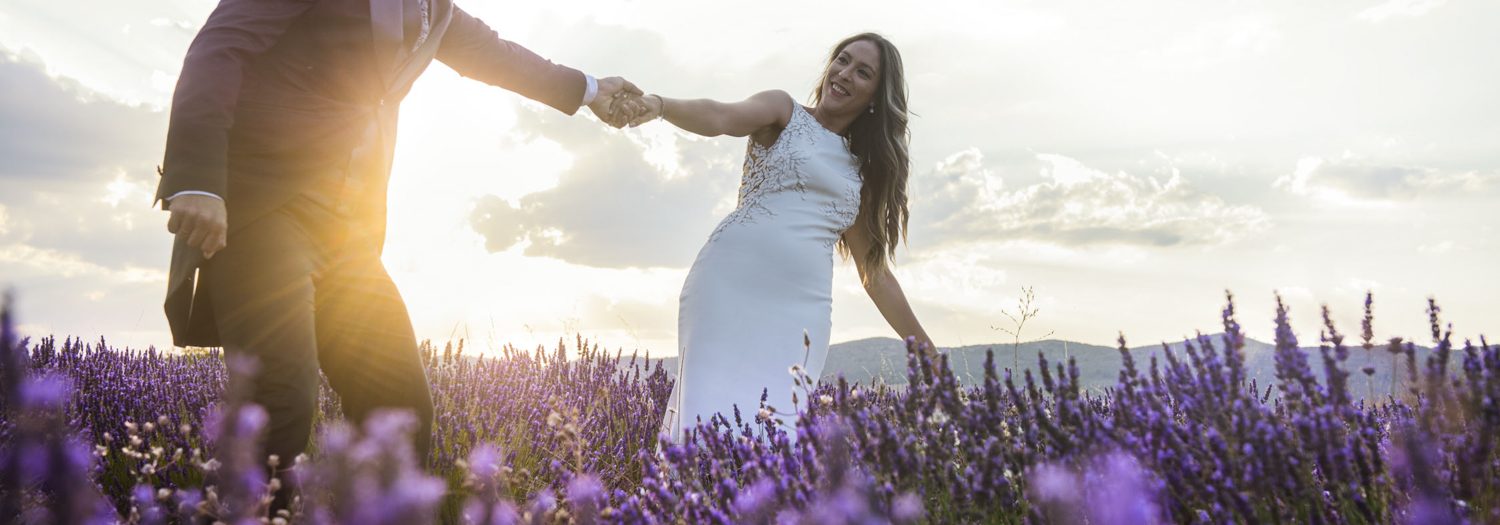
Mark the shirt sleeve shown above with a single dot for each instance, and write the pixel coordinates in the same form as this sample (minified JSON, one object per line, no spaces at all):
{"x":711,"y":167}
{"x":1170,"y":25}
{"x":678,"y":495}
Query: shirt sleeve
{"x":590,"y":91}
{"x":191,"y":192}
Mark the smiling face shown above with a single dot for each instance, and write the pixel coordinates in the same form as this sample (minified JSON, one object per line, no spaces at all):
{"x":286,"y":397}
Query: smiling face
{"x":852,"y":78}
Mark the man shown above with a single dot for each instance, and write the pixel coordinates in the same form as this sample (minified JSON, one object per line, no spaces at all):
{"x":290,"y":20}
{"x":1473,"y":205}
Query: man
{"x":277,"y":159}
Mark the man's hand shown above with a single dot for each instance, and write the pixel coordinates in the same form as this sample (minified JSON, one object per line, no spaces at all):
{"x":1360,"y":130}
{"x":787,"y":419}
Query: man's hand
{"x":616,"y":102}
{"x":201,"y":220}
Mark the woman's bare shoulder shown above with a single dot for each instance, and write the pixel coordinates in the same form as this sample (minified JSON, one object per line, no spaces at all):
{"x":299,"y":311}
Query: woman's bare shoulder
{"x":778,"y":104}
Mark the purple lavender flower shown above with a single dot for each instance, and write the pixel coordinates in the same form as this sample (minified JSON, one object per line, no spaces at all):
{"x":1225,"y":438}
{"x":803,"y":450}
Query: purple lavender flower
{"x":1190,"y":438}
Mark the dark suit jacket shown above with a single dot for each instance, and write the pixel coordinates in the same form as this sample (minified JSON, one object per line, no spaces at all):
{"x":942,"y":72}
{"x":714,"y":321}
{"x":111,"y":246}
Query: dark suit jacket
{"x":282,"y":97}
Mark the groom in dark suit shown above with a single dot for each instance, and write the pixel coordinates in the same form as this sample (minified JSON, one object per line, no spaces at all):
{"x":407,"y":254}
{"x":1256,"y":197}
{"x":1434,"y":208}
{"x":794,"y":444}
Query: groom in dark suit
{"x":277,"y":159}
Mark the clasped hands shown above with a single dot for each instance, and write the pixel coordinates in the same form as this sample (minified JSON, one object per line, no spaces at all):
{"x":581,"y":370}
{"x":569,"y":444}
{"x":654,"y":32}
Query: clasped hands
{"x":620,"y":103}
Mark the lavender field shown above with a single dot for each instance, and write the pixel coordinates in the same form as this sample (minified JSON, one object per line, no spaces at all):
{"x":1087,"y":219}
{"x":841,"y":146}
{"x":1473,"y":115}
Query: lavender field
{"x":94,"y":434}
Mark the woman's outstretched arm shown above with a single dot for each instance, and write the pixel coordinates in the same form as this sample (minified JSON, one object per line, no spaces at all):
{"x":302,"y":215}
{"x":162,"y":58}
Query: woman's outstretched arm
{"x":711,"y":118}
{"x":884,"y":290}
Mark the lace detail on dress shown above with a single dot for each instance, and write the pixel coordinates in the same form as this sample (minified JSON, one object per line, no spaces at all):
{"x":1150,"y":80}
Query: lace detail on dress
{"x":771,"y":169}
{"x":844,"y":211}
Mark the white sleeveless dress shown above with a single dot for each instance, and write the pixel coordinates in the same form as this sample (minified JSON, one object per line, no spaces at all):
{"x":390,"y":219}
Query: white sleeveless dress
{"x":764,"y":277}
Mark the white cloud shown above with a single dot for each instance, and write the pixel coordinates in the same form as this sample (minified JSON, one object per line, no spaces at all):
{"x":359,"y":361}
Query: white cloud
{"x":1297,"y":181}
{"x":1068,"y":172}
{"x":1394,"y":8}
{"x":966,"y":277}
{"x":46,"y":262}
{"x":55,"y":129}
{"x":109,"y":47}
{"x":1351,"y":179}
{"x":67,"y":149}
{"x":961,"y":202}
{"x":126,"y":189}
{"x":1432,"y":180}
{"x":629,"y":200}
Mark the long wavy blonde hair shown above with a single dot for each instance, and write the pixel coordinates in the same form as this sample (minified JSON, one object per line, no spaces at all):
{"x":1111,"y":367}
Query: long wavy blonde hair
{"x":880,"y":141}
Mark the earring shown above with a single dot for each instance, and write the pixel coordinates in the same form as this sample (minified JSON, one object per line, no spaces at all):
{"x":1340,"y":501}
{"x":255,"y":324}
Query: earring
{"x":872,"y":109}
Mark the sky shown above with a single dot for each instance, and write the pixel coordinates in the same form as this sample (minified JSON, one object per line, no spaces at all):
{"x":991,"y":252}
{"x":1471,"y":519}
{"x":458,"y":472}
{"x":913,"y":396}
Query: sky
{"x":1128,"y":161}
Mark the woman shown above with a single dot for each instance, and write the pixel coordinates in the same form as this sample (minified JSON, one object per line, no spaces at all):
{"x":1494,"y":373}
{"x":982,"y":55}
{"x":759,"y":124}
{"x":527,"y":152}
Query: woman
{"x":833,"y":175}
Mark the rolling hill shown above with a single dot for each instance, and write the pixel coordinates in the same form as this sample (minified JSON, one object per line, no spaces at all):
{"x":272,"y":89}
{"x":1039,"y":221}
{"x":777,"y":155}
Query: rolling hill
{"x":883,"y":360}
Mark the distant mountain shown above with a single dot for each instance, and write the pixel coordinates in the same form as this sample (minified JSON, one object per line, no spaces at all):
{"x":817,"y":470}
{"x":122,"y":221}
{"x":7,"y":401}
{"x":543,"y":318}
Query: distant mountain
{"x":883,"y":359}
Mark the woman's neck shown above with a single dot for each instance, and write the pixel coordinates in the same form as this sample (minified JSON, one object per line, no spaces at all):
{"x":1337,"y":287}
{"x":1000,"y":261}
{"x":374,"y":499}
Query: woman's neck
{"x":835,"y":123}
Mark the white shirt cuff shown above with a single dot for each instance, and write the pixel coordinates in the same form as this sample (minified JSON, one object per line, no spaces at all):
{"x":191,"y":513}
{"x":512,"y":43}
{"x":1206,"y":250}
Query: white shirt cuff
{"x":193,"y":192}
{"x":591,"y":90}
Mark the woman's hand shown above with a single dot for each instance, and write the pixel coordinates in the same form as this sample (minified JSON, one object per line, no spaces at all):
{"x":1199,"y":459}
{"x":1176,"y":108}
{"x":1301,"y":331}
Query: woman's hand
{"x":626,"y":108}
{"x":653,"y":109}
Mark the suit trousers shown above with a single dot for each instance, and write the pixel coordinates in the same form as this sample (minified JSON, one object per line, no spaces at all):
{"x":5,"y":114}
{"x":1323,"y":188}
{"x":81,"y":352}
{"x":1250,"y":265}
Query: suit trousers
{"x":303,"y":289}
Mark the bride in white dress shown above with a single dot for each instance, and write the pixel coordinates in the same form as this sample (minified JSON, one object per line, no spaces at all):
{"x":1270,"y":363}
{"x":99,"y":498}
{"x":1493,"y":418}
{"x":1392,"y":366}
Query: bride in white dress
{"x":815,"y":179}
